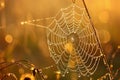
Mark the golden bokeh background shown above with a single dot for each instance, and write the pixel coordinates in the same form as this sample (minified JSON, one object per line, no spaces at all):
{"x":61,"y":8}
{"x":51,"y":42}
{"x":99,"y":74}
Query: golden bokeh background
{"x":26,"y":42}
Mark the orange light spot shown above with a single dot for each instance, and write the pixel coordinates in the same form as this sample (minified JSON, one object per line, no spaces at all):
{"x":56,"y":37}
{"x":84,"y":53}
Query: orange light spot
{"x":8,"y":38}
{"x":22,"y":23}
{"x":2,"y":4}
{"x":58,"y":72}
{"x":118,"y":46}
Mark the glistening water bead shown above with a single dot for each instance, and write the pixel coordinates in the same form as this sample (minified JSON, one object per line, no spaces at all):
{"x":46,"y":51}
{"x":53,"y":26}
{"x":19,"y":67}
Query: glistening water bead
{"x":73,"y":38}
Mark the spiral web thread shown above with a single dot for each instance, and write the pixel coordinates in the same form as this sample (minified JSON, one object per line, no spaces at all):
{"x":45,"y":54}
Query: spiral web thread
{"x":71,"y":41}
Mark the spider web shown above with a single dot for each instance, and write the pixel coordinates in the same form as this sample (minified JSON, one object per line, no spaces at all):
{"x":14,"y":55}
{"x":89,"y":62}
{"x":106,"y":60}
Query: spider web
{"x":71,"y":41}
